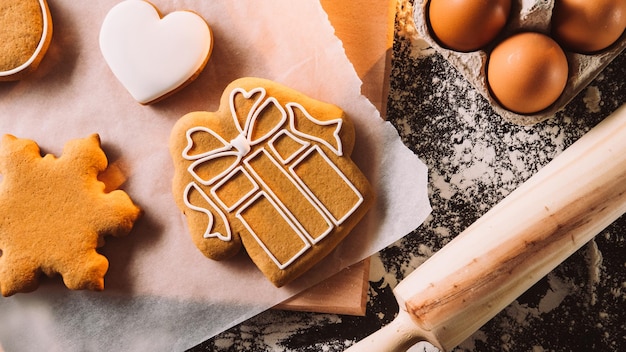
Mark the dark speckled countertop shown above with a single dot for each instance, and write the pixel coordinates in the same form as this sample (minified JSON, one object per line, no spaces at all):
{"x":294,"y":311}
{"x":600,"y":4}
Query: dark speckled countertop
{"x":475,"y":159}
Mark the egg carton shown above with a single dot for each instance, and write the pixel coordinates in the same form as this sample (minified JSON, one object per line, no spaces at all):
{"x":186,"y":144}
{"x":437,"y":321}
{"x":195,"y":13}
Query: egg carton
{"x":526,"y":15}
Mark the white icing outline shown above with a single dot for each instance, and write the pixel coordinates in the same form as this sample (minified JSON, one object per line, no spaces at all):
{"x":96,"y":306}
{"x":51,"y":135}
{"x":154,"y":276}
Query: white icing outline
{"x":240,"y":148}
{"x":304,"y":144}
{"x":280,"y":265}
{"x":228,"y":178}
{"x":337,"y":150}
{"x":207,"y":232}
{"x":190,"y":143}
{"x":247,"y":95}
{"x":242,"y":143}
{"x":44,"y":34}
{"x":339,"y":173}
{"x":191,"y":168}
{"x":252,"y":122}
{"x":267,"y":189}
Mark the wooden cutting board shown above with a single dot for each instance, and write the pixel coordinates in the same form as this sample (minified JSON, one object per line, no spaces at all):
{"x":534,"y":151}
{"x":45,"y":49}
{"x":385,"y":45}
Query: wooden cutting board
{"x":366,"y":30}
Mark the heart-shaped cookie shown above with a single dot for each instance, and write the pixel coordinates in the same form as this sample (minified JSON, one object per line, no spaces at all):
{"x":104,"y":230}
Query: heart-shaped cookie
{"x":154,"y":56}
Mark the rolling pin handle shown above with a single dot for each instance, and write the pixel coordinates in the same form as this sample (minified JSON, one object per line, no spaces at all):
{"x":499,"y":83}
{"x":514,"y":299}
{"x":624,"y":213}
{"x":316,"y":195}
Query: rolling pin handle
{"x":397,"y":336}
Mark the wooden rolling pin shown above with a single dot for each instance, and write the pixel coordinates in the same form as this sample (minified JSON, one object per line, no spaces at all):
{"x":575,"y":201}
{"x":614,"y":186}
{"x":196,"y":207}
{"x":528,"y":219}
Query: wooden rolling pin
{"x":511,"y":247}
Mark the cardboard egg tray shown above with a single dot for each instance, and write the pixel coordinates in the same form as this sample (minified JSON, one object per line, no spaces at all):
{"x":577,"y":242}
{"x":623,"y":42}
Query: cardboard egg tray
{"x":526,"y":15}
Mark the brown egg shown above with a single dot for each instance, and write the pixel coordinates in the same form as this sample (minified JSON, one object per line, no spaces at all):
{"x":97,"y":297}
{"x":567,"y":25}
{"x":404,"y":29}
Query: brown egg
{"x":467,"y":25}
{"x":586,"y":26}
{"x":527,"y":72}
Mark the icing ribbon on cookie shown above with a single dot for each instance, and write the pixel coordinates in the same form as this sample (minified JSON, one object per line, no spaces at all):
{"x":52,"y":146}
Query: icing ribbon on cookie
{"x":192,"y":186}
{"x":249,"y":135}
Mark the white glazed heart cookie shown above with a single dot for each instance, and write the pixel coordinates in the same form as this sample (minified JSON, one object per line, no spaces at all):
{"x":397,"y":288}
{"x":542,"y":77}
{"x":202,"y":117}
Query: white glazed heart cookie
{"x":270,"y":171}
{"x":154,"y":56}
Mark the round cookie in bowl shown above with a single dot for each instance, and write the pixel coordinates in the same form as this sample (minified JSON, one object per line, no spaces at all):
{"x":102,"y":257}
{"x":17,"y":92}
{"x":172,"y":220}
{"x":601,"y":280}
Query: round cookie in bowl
{"x":25,"y":35}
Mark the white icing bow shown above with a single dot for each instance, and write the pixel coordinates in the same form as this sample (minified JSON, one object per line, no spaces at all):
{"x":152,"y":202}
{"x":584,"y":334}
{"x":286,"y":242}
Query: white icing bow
{"x":257,"y":119}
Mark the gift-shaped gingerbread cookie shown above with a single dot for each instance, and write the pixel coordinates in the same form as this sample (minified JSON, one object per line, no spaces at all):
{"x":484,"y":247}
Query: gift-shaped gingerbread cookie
{"x":270,"y":170}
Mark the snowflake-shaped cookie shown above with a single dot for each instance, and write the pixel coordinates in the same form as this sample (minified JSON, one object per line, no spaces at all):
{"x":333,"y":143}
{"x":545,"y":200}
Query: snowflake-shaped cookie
{"x":54,"y":213}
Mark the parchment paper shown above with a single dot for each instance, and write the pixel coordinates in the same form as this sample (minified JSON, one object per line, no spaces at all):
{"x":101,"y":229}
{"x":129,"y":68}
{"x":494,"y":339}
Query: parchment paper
{"x":161,"y":293}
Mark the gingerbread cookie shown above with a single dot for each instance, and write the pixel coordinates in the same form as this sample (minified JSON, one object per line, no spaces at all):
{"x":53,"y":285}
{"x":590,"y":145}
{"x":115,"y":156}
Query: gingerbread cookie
{"x":269,"y":171}
{"x":25,"y":34}
{"x":154,"y":56}
{"x":55,"y":213}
